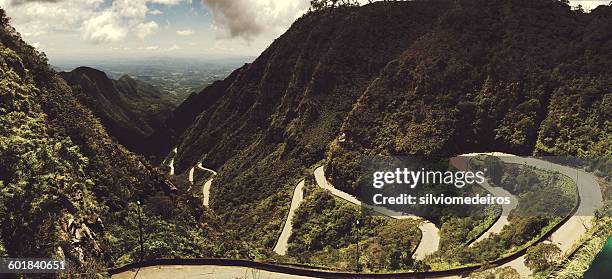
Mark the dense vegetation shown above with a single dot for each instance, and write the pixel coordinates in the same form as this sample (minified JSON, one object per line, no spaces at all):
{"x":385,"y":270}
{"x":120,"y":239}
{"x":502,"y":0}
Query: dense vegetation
{"x":438,"y":77}
{"x":591,"y":243}
{"x":273,"y":118}
{"x":486,"y":77}
{"x":422,"y":77}
{"x":129,"y":109}
{"x":539,"y":193}
{"x":397,"y":78}
{"x":544,"y":198}
{"x":58,"y":164}
{"x":333,"y":233}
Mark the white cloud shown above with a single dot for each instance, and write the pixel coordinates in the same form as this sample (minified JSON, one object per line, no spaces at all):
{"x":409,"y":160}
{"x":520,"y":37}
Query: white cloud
{"x":36,"y":45}
{"x":185,"y":32}
{"x":146,"y":29}
{"x":98,"y":21}
{"x":156,"y":12}
{"x":114,"y":23}
{"x":167,"y":2}
{"x":39,"y":18}
{"x":151,"y":48}
{"x":104,"y":27}
{"x":174,"y":47}
{"x":249,"y":18}
{"x":19,"y":2}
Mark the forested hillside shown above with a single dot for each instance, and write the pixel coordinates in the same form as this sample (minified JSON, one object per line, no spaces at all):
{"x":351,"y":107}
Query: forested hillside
{"x":437,"y":77}
{"x":276,"y":116}
{"x":421,"y":77}
{"x":67,"y":190}
{"x":485,"y":78}
{"x":130,"y":110}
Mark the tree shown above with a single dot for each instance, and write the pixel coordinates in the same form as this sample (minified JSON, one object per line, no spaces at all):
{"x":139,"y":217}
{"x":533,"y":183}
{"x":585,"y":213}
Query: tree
{"x":4,"y":20}
{"x":495,"y":169}
{"x":507,"y":273}
{"x":579,"y":9}
{"x":542,"y":256}
{"x":316,"y":5}
{"x":498,"y":273}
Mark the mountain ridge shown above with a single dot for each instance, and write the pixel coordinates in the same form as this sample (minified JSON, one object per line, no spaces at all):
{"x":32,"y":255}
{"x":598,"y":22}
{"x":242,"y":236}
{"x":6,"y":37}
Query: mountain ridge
{"x":131,"y":110}
{"x":434,"y":78}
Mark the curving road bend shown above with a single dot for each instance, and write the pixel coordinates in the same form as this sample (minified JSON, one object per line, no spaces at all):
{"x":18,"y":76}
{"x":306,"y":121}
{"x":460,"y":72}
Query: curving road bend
{"x":207,"y":184}
{"x":430,"y":239}
{"x":461,"y":162}
{"x":565,"y":237}
{"x":298,"y":196}
{"x":206,"y":169}
{"x":571,"y":231}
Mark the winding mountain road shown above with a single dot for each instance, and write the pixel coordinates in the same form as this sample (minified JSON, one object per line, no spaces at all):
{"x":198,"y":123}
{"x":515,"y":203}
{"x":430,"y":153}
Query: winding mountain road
{"x":206,"y":192}
{"x":298,"y":196}
{"x":190,"y":176}
{"x":462,"y":163}
{"x":206,"y":169}
{"x":571,"y":231}
{"x":430,"y":239}
{"x":565,"y":236}
{"x":207,"y":184}
{"x":171,"y":163}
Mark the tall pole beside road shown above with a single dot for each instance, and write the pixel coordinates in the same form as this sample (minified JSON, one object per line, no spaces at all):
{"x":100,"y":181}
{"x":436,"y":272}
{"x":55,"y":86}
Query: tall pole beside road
{"x":140,"y":232}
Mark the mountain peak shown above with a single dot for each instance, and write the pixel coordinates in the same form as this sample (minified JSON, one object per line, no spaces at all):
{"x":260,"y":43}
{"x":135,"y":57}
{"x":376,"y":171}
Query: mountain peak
{"x":90,"y":72}
{"x":130,"y":109}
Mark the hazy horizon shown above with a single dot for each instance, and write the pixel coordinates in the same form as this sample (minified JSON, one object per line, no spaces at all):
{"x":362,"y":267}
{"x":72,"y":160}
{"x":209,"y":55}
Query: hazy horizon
{"x":71,"y":63}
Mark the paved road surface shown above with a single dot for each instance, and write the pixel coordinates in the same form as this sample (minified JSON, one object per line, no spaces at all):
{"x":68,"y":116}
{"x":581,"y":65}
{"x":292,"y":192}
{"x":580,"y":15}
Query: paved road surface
{"x":430,"y":233}
{"x":462,"y":163}
{"x":207,"y":184}
{"x":190,"y":177}
{"x":202,"y":272}
{"x":171,"y":163}
{"x":298,"y":196}
{"x":206,"y":192}
{"x":570,"y":232}
{"x":206,"y":169}
{"x":565,"y":236}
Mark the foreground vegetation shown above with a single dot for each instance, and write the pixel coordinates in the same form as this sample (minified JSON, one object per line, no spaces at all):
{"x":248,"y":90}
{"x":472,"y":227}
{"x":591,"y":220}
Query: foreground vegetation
{"x":333,"y":233}
{"x":544,"y":199}
{"x":432,"y":78}
{"x":591,"y":243}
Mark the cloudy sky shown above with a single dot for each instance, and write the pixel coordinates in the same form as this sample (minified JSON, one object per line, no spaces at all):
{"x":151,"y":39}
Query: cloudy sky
{"x":73,"y":29}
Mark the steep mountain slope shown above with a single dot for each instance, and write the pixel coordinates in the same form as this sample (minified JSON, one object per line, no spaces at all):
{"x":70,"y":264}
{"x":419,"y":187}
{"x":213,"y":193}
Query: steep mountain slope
{"x":158,"y":144}
{"x":130,"y":110}
{"x":277,"y":115}
{"x":67,"y":188}
{"x":483,"y":79}
{"x":419,"y":77}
